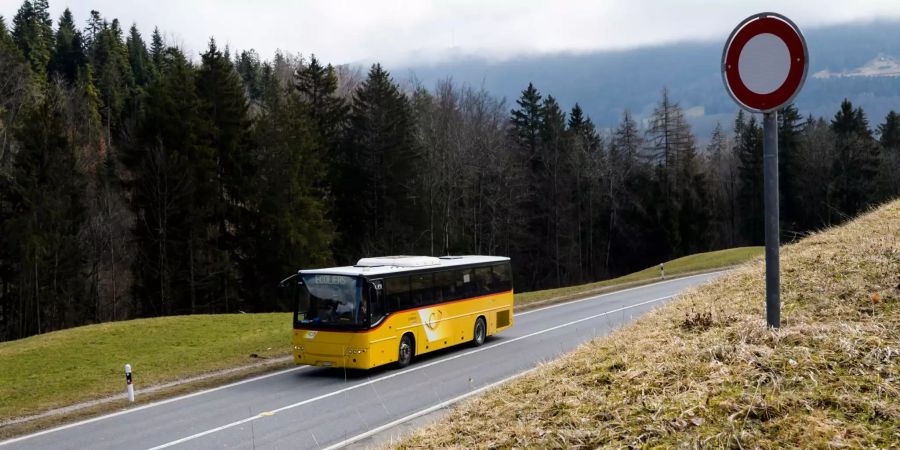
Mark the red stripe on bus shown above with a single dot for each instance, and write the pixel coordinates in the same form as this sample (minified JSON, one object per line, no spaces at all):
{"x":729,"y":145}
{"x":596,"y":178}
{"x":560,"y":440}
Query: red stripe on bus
{"x":406,"y":310}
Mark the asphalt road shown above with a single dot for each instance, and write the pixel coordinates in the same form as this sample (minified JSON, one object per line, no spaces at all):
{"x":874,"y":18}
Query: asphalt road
{"x":310,"y":407}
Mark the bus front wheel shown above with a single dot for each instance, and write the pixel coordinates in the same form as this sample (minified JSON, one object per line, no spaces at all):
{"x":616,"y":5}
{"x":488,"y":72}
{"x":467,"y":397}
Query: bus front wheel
{"x":480,"y":332}
{"x":405,"y":352}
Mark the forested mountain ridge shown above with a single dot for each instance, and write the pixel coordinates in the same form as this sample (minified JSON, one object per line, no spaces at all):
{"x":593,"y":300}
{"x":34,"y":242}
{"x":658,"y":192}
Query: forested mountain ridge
{"x":135,"y":181}
{"x":606,"y":82}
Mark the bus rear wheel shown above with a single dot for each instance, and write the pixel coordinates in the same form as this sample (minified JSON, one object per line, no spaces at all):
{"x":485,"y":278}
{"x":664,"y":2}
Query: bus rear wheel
{"x":480,"y":332}
{"x":405,"y":352}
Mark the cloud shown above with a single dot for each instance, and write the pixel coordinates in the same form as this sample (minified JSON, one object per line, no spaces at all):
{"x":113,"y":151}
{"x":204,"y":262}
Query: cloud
{"x":342,"y":31}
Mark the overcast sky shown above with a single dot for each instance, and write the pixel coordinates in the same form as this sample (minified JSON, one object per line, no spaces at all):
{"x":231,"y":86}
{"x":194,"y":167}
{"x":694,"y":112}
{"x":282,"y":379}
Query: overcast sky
{"x":417,"y":31}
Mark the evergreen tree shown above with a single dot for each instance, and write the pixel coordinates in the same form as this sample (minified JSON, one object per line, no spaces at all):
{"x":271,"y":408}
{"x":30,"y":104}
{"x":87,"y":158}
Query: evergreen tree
{"x":226,"y":131}
{"x":95,"y":24}
{"x":317,"y":85}
{"x":171,"y":192}
{"x":249,"y":67}
{"x":889,"y":139}
{"x":68,"y":57}
{"x":138,"y":57}
{"x":789,"y":129}
{"x":33,"y":34}
{"x":856,"y":164}
{"x":114,"y":80}
{"x":16,"y":92}
{"x":555,"y":185}
{"x":527,"y":122}
{"x":45,"y":198}
{"x":288,"y":227}
{"x":526,"y":133}
{"x":377,"y":170}
{"x":749,"y":149}
{"x":157,"y":47}
{"x":628,"y":179}
{"x":588,"y":166}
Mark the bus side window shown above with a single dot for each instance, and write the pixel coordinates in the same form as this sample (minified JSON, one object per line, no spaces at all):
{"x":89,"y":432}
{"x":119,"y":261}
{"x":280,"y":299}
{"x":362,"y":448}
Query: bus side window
{"x":376,"y":303}
{"x":503,"y":276}
{"x":465,"y":285}
{"x":420,"y":289}
{"x":484,"y":283}
{"x":444,"y":288}
{"x":397,"y":293}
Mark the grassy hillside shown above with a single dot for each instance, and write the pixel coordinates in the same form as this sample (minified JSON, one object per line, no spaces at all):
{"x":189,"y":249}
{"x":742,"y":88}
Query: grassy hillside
{"x":65,"y":367}
{"x":705,"y":370}
{"x":699,"y":262}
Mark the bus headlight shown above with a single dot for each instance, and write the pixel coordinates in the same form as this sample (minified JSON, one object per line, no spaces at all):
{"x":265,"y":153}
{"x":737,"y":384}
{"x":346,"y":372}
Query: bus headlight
{"x":299,"y":348}
{"x":355,"y":351}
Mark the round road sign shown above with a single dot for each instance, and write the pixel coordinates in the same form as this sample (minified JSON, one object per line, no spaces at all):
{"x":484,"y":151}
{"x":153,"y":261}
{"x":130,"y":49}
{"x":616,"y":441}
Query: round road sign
{"x":764,"y":62}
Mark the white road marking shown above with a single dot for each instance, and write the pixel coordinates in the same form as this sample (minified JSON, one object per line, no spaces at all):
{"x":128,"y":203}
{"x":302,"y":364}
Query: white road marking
{"x":150,"y":405}
{"x":396,"y":374}
{"x":293,"y":369}
{"x":594,"y":297}
{"x":428,"y":410}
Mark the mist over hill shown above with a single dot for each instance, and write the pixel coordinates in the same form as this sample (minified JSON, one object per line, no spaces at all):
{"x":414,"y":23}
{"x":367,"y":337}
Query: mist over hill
{"x":855,"y":61}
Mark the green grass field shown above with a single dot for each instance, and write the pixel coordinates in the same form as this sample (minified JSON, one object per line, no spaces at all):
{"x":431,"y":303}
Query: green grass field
{"x":84,"y":363}
{"x":70,"y":366}
{"x":699,"y":262}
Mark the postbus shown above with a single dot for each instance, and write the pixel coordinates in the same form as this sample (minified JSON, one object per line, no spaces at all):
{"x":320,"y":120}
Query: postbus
{"x":390,"y":309}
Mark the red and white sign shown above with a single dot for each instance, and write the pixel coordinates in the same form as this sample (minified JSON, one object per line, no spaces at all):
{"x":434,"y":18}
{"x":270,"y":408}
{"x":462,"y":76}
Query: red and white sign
{"x":764,"y":62}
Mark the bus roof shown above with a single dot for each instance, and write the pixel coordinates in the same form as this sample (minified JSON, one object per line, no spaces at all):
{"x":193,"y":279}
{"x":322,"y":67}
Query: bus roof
{"x":387,"y":265}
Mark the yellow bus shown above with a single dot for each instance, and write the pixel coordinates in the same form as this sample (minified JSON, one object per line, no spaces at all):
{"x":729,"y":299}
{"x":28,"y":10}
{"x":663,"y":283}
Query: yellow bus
{"x":390,"y":309}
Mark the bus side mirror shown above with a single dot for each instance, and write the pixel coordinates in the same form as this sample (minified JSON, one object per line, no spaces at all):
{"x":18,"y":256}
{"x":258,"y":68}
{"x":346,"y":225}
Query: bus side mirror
{"x":285,"y":283}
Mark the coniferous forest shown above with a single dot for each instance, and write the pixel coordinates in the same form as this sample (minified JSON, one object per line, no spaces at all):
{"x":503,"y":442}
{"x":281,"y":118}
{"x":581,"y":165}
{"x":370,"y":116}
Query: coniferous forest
{"x":136,"y":181}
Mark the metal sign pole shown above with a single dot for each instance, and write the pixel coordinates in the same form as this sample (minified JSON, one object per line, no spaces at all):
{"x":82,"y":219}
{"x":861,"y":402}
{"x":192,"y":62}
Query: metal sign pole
{"x":770,"y":182}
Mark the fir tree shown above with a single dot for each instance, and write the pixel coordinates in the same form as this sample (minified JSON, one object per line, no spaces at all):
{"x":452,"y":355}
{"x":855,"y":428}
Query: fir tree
{"x":157,"y":47}
{"x":856,"y":164}
{"x":889,"y":139}
{"x":226,"y":131}
{"x":68,"y":57}
{"x":33,"y":34}
{"x":377,"y":169}
{"x":138,"y":57}
{"x":46,"y":196}
{"x":318,"y":86}
{"x":749,"y":150}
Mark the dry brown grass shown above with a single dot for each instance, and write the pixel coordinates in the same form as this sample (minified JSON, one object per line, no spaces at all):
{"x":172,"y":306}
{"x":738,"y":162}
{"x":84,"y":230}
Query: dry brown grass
{"x":705,"y":371}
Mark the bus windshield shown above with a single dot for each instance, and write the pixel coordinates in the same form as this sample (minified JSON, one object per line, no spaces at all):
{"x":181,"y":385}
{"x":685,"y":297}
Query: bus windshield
{"x":332,"y":300}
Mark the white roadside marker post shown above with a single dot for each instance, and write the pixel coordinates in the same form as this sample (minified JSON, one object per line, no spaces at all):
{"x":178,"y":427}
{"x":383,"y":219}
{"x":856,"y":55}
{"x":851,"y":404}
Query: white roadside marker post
{"x":128,"y":383}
